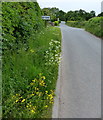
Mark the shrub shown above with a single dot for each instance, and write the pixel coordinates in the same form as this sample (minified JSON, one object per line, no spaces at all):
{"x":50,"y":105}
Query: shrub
{"x":94,"y":25}
{"x":56,"y":23}
{"x":20,"y":21}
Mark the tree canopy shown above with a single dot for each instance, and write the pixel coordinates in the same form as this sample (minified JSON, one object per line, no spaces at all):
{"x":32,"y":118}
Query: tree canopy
{"x":77,"y":15}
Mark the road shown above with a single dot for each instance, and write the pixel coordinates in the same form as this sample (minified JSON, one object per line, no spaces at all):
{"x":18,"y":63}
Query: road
{"x":79,"y":83}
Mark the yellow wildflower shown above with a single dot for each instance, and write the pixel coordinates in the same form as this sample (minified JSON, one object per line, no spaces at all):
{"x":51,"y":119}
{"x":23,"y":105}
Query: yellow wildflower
{"x":46,"y":92}
{"x":45,"y":106}
{"x":42,"y":83}
{"x":32,"y":94}
{"x":16,"y":100}
{"x":34,"y":80}
{"x":23,"y":100}
{"x":43,"y":77}
{"x":27,"y":106}
{"x":50,"y":96}
{"x":51,"y":102}
{"x":32,"y":111}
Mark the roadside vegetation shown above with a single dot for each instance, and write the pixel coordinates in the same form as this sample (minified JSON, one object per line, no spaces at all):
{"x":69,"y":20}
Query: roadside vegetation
{"x":93,"y":25}
{"x":31,"y":54}
{"x":78,"y":18}
{"x":78,"y":24}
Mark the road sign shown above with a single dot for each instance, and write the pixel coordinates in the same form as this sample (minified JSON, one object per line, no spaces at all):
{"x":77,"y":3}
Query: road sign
{"x":46,"y":17}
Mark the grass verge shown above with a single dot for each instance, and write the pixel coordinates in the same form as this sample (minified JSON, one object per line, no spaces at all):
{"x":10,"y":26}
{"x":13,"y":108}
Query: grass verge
{"x":29,"y":76}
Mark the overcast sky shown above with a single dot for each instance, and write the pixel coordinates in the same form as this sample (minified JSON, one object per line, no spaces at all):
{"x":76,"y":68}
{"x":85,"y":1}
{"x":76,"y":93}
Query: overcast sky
{"x":67,"y":5}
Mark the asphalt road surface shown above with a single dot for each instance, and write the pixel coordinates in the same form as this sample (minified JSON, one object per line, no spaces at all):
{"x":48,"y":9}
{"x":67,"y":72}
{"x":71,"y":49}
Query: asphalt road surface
{"x":80,"y":75}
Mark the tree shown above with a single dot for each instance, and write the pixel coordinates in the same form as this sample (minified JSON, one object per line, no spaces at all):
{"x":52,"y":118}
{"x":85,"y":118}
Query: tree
{"x":46,"y":11}
{"x":61,"y":15}
{"x":79,"y":15}
{"x":51,"y":12}
{"x":92,"y":13}
{"x":100,"y":15}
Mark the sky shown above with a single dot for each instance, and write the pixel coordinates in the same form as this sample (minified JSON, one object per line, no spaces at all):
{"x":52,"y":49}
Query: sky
{"x":67,"y":5}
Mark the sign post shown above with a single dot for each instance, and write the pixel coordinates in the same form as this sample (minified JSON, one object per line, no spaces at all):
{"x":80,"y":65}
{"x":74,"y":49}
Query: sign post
{"x":46,"y":18}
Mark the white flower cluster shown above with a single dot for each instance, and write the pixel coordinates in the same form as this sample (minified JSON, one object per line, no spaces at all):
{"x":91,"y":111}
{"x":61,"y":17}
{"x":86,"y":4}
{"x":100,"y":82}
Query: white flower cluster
{"x":53,"y":53}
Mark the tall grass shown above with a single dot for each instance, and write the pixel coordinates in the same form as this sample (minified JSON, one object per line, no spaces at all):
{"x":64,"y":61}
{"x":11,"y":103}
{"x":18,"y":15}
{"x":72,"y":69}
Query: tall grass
{"x":29,"y":76}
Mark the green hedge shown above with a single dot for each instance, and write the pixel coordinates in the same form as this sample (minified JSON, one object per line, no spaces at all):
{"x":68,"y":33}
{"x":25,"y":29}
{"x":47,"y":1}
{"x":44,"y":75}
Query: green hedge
{"x":93,"y":25}
{"x":20,"y":21}
{"x":56,"y":23}
{"x":79,"y":24}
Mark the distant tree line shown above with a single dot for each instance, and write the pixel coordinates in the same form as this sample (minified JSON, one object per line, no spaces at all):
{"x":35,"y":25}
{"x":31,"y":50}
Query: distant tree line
{"x":77,"y":15}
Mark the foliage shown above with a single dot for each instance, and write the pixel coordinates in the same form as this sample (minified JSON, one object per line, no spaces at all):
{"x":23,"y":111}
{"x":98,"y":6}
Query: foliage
{"x":100,"y":15}
{"x":20,"y":21}
{"x":59,"y":21}
{"x":61,"y":15}
{"x":79,"y":24}
{"x":79,"y":15}
{"x":94,"y":25}
{"x":51,"y":12}
{"x":28,"y":79}
{"x":56,"y":23}
{"x":55,"y":13}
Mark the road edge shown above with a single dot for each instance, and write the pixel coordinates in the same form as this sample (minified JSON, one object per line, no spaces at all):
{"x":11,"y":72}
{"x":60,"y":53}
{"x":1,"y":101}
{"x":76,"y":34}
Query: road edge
{"x":56,"y":105}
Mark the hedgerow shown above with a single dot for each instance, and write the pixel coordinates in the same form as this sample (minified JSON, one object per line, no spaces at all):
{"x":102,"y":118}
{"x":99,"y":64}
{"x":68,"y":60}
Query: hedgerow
{"x":93,"y":25}
{"x":30,"y":61}
{"x":79,"y":24}
{"x":21,"y":20}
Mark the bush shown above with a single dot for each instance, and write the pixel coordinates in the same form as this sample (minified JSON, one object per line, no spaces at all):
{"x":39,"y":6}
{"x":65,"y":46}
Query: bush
{"x":94,"y":25}
{"x":56,"y":23}
{"x":21,"y":20}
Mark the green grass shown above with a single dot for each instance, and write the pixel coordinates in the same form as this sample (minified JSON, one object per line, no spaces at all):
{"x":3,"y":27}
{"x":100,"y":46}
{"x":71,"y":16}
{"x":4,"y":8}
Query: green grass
{"x":29,"y":76}
{"x":78,"y":24}
{"x":94,"y":25}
